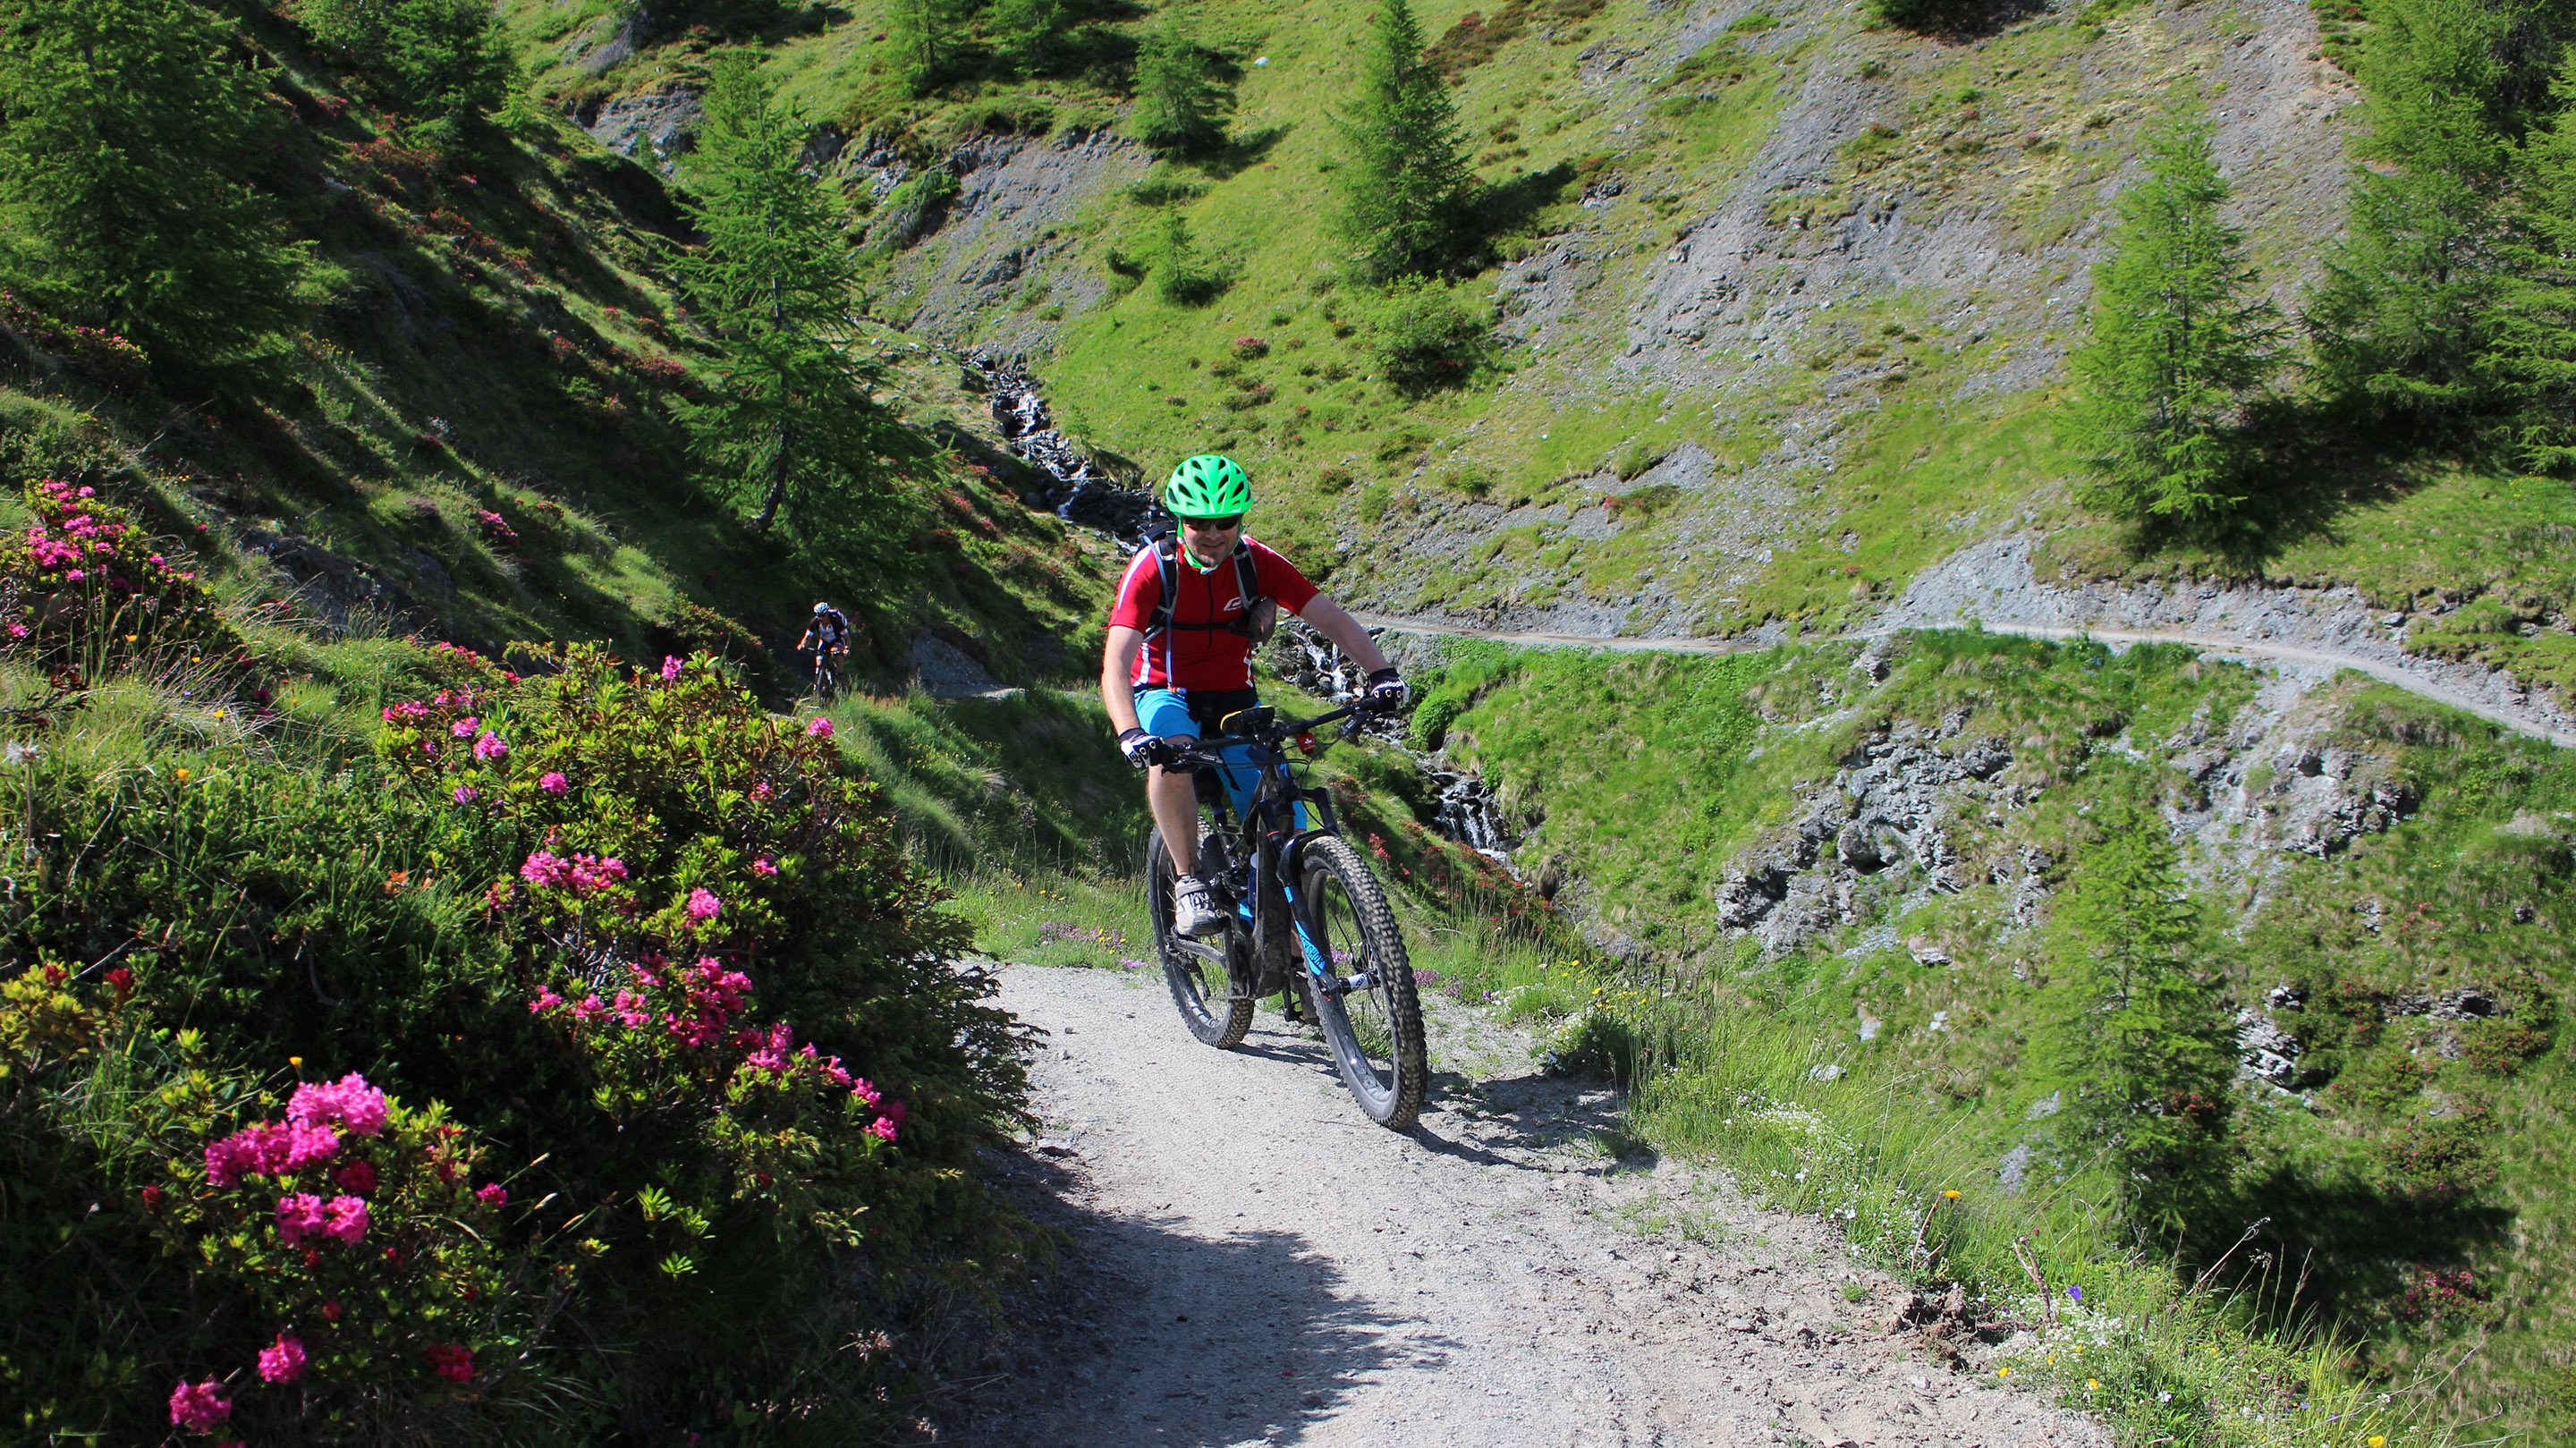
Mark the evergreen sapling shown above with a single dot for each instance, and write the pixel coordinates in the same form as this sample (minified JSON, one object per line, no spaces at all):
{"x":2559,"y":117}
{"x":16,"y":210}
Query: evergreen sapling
{"x":1181,"y":105}
{"x":127,"y":145}
{"x":2139,"y":1037}
{"x":1404,"y":187}
{"x":791,"y":428}
{"x":2182,"y":340}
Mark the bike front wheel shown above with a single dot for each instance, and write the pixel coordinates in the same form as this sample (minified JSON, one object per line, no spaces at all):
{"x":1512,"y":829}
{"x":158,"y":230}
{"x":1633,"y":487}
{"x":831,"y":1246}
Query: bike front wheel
{"x":1208,"y":1002}
{"x":1375,"y":1026}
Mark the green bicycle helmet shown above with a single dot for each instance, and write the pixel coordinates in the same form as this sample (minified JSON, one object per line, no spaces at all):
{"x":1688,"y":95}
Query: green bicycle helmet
{"x":1207,"y":486}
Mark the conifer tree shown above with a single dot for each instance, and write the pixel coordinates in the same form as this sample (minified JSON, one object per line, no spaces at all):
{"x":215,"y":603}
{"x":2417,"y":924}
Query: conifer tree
{"x":791,"y":429}
{"x":2182,"y":338}
{"x":919,"y":36}
{"x":1178,"y":277}
{"x":1029,"y":32}
{"x":127,"y":132}
{"x":1181,"y":105}
{"x":2532,"y":344}
{"x":2402,"y":321}
{"x":1404,"y":184}
{"x":444,"y":63}
{"x":2139,"y":1038}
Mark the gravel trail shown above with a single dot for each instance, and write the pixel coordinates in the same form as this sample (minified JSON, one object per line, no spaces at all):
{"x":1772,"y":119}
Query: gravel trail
{"x":1249,"y":1261}
{"x":2313,"y":636}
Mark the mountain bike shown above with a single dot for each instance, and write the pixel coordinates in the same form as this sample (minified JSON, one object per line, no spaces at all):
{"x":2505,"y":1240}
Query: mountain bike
{"x":827,"y":673}
{"x":1304,"y":918}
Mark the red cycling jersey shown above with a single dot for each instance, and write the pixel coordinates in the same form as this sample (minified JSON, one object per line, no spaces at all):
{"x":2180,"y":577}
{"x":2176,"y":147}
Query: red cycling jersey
{"x":1183,"y":658}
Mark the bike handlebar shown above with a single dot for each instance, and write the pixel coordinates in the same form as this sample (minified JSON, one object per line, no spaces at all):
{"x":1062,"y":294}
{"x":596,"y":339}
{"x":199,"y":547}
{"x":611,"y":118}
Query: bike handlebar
{"x":1204,"y":754}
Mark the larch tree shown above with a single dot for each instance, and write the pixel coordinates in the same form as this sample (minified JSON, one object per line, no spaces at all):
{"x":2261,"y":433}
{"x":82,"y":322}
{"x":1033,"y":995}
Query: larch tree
{"x":129,"y":130}
{"x":791,"y":430}
{"x":2183,"y":339}
{"x":1181,"y":104}
{"x":1404,"y":186}
{"x":2139,"y":1038}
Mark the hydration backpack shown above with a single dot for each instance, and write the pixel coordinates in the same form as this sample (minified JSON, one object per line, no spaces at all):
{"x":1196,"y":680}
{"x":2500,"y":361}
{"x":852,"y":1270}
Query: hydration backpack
{"x":1260,"y":615}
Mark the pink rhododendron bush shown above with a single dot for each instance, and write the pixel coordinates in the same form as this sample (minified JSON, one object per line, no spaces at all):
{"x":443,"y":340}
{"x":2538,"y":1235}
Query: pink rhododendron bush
{"x":588,"y":1065}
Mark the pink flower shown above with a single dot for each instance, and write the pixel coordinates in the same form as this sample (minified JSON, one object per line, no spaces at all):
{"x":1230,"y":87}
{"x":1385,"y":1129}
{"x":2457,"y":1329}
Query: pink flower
{"x":464,"y":728}
{"x":283,"y":1363}
{"x":199,"y":1407}
{"x":866,"y":1091}
{"x":269,"y":1148}
{"x":466,"y":794}
{"x":303,"y":1215}
{"x":17,"y":630}
{"x":821,"y":728}
{"x":703,"y":905}
{"x":545,"y":1000}
{"x":671,"y":668}
{"x":762,"y":791}
{"x":453,"y":1361}
{"x":349,"y":1101}
{"x":553,"y":782}
{"x":86,"y":493}
{"x":348,"y":1219}
{"x":492,"y":1194}
{"x":772,"y":1052}
{"x":357,"y":1176}
{"x":762,"y":866}
{"x":75,"y":575}
{"x":883,"y":1128}
{"x":490,"y":746}
{"x":590,"y":1008}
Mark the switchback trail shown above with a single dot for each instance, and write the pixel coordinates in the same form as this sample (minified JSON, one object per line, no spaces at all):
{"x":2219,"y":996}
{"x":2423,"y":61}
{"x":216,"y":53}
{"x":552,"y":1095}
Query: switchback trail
{"x":1249,"y":1261}
{"x":2442,"y":682}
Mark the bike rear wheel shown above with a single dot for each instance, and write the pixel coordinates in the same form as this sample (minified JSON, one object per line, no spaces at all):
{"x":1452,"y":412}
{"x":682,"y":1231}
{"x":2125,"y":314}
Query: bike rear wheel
{"x":1200,"y":988}
{"x":1375,"y":1030}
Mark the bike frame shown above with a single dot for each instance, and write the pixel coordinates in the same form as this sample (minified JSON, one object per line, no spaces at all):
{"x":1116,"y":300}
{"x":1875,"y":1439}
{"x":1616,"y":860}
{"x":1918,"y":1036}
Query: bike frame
{"x":1269,"y":825}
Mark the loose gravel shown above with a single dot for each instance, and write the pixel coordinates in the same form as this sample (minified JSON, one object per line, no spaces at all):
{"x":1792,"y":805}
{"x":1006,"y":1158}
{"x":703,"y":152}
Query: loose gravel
{"x":1247,"y":1261}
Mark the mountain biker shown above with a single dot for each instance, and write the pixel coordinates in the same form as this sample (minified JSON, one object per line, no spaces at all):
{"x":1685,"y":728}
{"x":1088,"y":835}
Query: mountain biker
{"x":829,"y":632}
{"x":1176,"y":666}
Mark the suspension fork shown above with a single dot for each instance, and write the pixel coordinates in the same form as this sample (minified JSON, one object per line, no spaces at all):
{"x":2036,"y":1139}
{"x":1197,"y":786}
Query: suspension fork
{"x":1319,"y":966}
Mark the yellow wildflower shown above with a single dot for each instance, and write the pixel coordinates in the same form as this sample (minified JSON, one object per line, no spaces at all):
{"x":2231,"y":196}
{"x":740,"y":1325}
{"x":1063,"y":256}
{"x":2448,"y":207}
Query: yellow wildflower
{"x":1952,"y":1194}
{"x":2092,"y":1385}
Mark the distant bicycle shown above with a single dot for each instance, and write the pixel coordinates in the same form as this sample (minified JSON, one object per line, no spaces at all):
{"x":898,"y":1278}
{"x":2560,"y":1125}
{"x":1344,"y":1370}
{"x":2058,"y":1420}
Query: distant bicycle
{"x":827,"y":674}
{"x":1304,"y":918}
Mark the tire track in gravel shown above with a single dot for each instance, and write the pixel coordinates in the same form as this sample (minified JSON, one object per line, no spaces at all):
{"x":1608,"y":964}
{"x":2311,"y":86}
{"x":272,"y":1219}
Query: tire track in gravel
{"x":1249,"y":1261}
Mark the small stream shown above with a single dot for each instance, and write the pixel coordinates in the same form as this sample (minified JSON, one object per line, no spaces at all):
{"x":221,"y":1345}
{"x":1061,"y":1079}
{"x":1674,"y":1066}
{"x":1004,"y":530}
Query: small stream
{"x":1076,"y":489}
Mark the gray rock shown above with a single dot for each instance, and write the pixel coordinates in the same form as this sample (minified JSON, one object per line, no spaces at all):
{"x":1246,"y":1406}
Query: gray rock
{"x":2264,"y":1051}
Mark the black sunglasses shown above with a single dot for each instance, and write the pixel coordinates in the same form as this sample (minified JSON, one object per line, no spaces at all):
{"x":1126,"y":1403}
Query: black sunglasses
{"x":1214,"y":525}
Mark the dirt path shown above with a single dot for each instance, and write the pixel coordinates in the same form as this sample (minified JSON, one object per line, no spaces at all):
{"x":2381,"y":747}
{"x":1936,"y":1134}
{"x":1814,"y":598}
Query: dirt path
{"x":2485,"y":693}
{"x":1248,"y":1261}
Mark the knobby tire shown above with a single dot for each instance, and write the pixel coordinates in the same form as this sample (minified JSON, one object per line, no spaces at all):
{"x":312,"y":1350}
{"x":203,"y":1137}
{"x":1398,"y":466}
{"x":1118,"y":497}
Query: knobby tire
{"x":1375,"y":1034}
{"x":1199,"y":989}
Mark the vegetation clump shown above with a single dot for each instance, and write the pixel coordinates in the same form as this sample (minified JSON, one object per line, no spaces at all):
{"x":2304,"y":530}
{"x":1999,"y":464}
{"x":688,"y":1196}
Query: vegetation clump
{"x":599,"y":994}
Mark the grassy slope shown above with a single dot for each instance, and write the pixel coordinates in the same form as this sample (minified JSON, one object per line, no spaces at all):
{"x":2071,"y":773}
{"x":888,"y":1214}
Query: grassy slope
{"x":2470,"y":886}
{"x":499,"y":336}
{"x":1849,"y":453}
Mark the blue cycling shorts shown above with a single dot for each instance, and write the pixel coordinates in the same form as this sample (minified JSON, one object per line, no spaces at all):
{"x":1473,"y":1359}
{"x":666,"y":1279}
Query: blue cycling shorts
{"x":1197,"y":714}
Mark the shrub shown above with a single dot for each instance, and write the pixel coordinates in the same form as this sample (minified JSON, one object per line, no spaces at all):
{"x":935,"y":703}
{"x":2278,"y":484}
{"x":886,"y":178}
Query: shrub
{"x":1250,"y":349}
{"x":1426,"y":337}
{"x":88,"y":595}
{"x":663,"y":1011}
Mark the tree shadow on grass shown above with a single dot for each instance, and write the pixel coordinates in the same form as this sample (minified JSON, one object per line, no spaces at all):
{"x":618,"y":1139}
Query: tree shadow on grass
{"x":2307,"y":467}
{"x":2347,"y":1252}
{"x":1242,"y":151}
